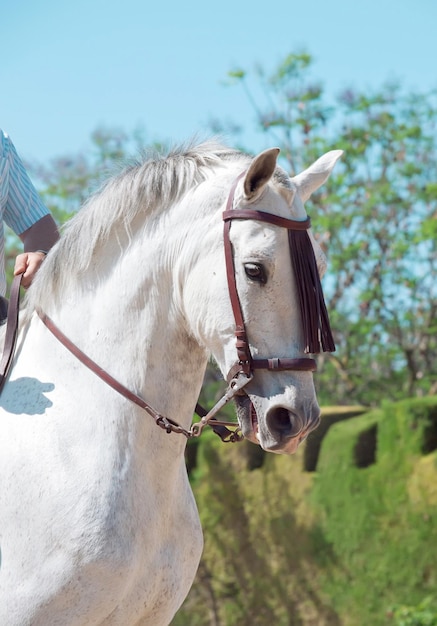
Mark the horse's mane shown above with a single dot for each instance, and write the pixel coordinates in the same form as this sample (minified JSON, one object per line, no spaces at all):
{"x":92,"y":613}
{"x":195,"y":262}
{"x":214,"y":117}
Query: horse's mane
{"x":145,"y":186}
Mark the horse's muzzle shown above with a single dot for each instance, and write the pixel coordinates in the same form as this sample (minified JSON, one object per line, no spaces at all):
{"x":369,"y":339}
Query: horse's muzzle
{"x":281,"y":430}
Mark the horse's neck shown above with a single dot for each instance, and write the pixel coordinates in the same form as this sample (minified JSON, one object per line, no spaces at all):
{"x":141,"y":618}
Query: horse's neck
{"x":129,"y":326}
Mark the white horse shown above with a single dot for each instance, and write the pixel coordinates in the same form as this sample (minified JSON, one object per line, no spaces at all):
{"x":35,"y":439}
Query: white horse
{"x":98,"y":524}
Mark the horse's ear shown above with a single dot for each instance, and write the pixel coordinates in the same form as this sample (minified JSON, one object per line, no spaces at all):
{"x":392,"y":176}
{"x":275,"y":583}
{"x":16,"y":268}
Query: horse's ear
{"x":259,"y":173}
{"x":316,"y":174}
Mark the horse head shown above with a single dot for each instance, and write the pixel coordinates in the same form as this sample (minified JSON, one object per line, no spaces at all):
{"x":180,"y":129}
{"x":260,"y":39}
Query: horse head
{"x":256,"y":301}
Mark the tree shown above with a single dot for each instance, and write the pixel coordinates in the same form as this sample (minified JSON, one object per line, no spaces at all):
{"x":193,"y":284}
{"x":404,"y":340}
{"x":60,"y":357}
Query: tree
{"x":376,"y":218}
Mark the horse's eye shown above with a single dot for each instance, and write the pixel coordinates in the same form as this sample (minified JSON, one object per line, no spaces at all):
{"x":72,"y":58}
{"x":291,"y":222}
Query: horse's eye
{"x":256,"y":272}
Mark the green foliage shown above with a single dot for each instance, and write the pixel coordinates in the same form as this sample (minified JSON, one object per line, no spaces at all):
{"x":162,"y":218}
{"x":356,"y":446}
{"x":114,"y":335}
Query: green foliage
{"x":424,"y":614}
{"x":351,"y":544}
{"x":256,"y":549}
{"x":379,"y":518}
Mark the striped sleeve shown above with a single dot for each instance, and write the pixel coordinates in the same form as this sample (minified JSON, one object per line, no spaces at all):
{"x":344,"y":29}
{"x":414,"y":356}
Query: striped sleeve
{"x":23,"y":206}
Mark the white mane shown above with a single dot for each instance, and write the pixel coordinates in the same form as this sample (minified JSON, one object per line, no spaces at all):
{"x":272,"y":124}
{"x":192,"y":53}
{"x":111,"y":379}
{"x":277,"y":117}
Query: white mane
{"x":142,"y":188}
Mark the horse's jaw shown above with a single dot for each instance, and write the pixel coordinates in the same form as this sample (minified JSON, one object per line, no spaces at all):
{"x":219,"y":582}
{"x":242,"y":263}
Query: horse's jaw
{"x":276,"y":428}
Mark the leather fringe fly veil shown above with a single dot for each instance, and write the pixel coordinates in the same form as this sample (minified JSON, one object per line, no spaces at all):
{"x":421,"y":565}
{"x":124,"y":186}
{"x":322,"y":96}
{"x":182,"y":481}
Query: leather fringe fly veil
{"x":314,"y":315}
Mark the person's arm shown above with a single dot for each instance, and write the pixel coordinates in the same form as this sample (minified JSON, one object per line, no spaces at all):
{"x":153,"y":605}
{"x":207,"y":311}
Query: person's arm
{"x":37,"y":240}
{"x":26,"y":214}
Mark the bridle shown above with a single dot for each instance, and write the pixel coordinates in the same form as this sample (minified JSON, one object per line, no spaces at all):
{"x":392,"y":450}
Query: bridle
{"x":241,"y":373}
{"x":245,"y":363}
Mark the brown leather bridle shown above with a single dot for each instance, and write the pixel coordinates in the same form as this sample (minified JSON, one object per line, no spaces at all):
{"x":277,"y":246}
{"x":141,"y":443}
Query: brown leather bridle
{"x":245,"y":363}
{"x":240,"y":374}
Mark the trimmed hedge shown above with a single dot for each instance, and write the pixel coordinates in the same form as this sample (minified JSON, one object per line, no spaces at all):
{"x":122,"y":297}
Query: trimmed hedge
{"x":339,"y":545}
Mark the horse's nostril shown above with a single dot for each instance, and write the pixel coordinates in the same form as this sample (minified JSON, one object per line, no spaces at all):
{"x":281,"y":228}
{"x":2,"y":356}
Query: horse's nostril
{"x":284,"y":422}
{"x":282,"y":419}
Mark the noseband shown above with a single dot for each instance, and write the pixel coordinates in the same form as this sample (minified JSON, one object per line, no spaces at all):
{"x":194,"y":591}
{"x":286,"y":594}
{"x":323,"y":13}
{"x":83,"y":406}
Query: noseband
{"x":313,"y":313}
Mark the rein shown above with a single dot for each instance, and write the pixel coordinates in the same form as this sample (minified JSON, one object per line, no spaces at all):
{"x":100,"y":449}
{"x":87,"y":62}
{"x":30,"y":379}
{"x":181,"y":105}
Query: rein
{"x":11,"y":330}
{"x":315,"y":322}
{"x":169,"y":425}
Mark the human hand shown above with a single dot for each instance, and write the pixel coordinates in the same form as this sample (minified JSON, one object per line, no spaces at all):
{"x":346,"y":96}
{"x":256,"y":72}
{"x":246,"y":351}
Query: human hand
{"x":28,"y":262}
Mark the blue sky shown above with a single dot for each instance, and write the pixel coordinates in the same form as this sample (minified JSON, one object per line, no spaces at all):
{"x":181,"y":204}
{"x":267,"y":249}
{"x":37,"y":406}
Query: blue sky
{"x":69,"y":67}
